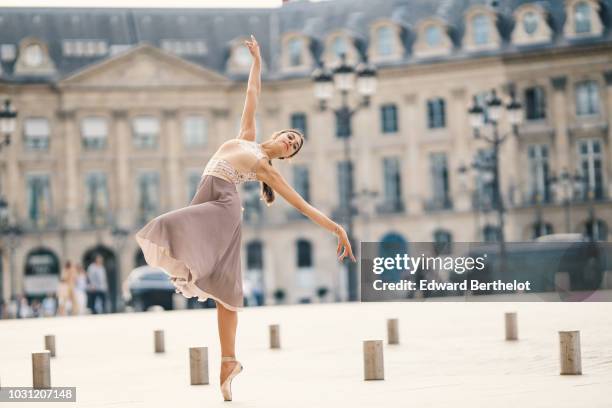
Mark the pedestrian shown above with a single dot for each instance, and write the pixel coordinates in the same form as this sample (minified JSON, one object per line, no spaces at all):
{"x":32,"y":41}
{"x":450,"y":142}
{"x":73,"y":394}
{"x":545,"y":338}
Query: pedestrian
{"x":198,"y":246}
{"x":80,"y":289}
{"x":70,"y":274}
{"x":98,"y":284}
{"x":49,"y":305}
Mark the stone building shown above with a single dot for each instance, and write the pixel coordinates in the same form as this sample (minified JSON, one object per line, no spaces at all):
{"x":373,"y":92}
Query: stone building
{"x":120,"y":109}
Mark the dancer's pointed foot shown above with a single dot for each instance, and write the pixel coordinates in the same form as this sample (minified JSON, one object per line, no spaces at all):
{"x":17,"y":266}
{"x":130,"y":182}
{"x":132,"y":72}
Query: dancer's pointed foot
{"x":230,"y":368}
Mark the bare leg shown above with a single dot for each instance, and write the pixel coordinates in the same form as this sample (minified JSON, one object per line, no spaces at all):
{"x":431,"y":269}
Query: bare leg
{"x":227,"y":321}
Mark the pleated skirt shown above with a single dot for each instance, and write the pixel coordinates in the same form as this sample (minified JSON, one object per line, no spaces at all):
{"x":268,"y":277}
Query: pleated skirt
{"x":198,"y":246}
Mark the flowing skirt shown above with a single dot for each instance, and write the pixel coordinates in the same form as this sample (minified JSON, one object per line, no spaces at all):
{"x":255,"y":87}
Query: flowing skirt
{"x":198,"y":246}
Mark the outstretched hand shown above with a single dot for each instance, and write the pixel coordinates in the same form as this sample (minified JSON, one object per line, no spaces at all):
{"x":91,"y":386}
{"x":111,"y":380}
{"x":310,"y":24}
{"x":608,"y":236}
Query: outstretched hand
{"x":253,"y":47}
{"x":343,"y":241}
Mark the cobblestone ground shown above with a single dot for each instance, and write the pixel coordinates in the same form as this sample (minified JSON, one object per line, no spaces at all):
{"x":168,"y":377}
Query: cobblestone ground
{"x":450,"y":354}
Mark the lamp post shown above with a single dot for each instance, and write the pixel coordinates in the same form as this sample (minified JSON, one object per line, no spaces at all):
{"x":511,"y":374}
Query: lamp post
{"x":119,"y":237}
{"x":342,"y":79}
{"x":566,"y":185}
{"x":491,"y":114}
{"x":7,"y":126}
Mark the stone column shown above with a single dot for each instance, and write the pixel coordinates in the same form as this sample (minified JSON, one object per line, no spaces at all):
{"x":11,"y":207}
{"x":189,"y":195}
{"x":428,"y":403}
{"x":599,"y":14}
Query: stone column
{"x":413,"y":184}
{"x":171,"y":131}
{"x":122,"y":141}
{"x":71,"y":148}
{"x":608,"y":77}
{"x":560,"y":113}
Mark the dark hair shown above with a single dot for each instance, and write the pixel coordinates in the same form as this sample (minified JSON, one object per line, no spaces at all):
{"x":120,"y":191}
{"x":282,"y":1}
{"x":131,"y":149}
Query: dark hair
{"x":267,"y":193}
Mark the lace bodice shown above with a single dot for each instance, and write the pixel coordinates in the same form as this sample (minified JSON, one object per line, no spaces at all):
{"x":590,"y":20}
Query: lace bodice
{"x":224,"y":169}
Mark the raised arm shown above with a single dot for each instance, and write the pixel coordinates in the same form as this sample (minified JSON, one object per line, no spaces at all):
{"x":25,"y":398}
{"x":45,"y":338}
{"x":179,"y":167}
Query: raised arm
{"x":277,"y":182}
{"x":247,"y":122}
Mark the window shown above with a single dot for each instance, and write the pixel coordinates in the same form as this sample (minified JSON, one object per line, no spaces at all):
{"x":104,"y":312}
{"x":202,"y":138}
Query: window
{"x":440,"y":185}
{"x":530,"y":22}
{"x":39,"y":198}
{"x":33,"y":56}
{"x":535,"y":103}
{"x":84,"y":48}
{"x":94,"y":131}
{"x":582,"y":18}
{"x":345,"y":183}
{"x":433,"y":36}
{"x":596,"y":230}
{"x":388,"y":118}
{"x":587,"y":98}
{"x":185,"y":47}
{"x":392,"y":184}
{"x":343,"y":127}
{"x":480,"y":29}
{"x":193,"y":181}
{"x":539,"y":177}
{"x":301,"y":181}
{"x":254,"y":250}
{"x":295,"y":52}
{"x":298,"y":121}
{"x":539,"y":229}
{"x":8,"y":52}
{"x":591,"y":167}
{"x":442,"y":242}
{"x":146,"y":131}
{"x":36,"y":133}
{"x":195,"y":131}
{"x":384,"y":38}
{"x":339,"y":46}
{"x":242,"y":56}
{"x":491,"y":233}
{"x":485,"y":194}
{"x":304,"y":253}
{"x":436,"y":117}
{"x":96,"y":191}
{"x":148,"y":196}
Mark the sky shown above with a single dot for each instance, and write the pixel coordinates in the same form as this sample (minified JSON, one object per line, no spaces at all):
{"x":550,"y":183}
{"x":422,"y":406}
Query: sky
{"x":143,"y":3}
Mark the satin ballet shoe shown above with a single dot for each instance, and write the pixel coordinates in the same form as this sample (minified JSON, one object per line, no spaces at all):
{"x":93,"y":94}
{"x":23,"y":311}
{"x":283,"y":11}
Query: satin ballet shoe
{"x":226,"y":387}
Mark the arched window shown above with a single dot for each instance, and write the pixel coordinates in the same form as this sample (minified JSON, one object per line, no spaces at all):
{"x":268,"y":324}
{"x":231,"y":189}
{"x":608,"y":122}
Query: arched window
{"x":582,"y":18}
{"x":339,"y":46}
{"x":480,"y":29}
{"x":530,"y":22}
{"x":304,"y":253}
{"x":433,"y":36}
{"x":384,"y":38}
{"x":295,"y":52}
{"x":391,"y":245}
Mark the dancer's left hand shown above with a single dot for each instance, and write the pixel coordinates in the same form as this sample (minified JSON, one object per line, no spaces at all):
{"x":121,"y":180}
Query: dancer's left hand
{"x":253,"y":47}
{"x":343,"y":241}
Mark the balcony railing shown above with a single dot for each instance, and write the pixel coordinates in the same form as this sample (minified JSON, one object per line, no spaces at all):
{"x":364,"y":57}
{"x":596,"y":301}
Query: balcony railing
{"x":390,"y":207}
{"x":439,"y":204}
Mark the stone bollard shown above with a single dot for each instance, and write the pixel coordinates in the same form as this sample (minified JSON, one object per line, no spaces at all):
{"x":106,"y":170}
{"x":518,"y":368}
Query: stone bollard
{"x":511,"y":326}
{"x":373,"y":364}
{"x":562,"y":282}
{"x":274,"y":336}
{"x":392,"y":331}
{"x":41,"y":370}
{"x":569,"y":345}
{"x":198,"y":365}
{"x":159,"y":341}
{"x":50,"y":344}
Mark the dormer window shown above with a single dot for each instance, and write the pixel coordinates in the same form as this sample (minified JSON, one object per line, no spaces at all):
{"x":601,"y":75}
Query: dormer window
{"x":33,"y":55}
{"x":295,"y":52}
{"x":480,"y":29}
{"x":339,"y":46}
{"x":384,"y":41}
{"x":338,"y":43}
{"x":583,"y":18}
{"x":433,"y":36}
{"x":33,"y":58}
{"x":242,"y":56}
{"x":530,"y":22}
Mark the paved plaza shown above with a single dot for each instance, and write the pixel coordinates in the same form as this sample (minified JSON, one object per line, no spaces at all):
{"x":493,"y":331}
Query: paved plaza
{"x":450,"y":354}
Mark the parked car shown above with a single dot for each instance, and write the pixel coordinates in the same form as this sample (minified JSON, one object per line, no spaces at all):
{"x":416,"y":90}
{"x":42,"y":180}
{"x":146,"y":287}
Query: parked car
{"x":146,"y":286}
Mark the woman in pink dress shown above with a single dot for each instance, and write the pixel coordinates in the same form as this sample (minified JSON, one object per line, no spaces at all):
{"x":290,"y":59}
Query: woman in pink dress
{"x":198,"y":246}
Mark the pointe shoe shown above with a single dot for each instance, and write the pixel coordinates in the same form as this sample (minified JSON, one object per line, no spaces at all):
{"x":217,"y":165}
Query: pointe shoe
{"x":226,"y":387}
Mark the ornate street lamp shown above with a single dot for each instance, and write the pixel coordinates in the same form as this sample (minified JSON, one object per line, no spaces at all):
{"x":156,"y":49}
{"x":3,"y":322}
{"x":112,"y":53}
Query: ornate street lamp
{"x":344,"y":79}
{"x":491,"y":114}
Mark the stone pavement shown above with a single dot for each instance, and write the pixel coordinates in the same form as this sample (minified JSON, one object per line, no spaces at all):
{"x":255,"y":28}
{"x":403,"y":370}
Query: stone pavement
{"x":450,"y":354}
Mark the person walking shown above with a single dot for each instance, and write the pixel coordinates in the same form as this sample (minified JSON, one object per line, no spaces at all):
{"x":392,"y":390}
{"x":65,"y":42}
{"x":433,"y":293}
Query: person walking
{"x":98,"y":284}
{"x":80,"y":289}
{"x":69,"y":273}
{"x":198,"y":246}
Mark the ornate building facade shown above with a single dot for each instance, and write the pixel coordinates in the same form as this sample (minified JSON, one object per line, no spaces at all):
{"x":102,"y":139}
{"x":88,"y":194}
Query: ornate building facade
{"x":119,"y":111}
